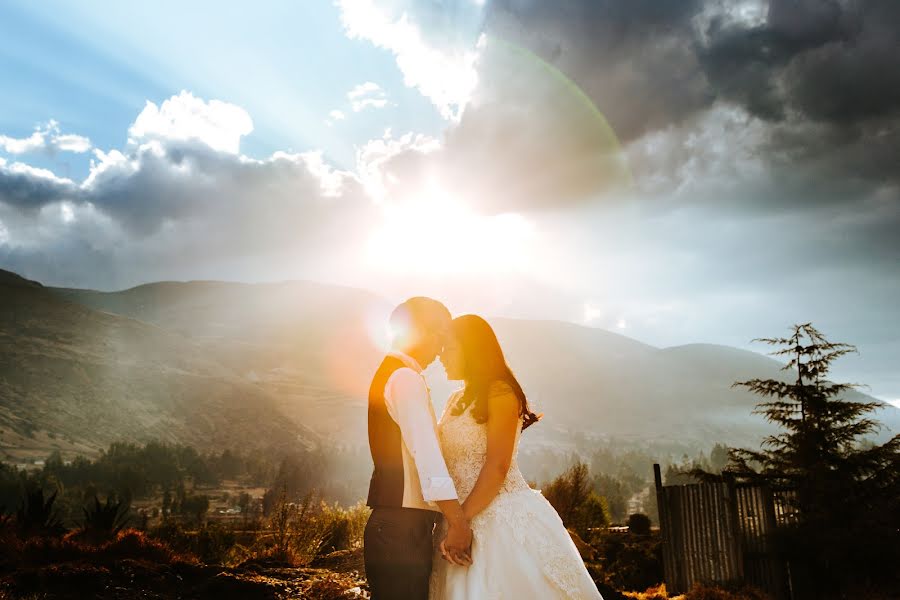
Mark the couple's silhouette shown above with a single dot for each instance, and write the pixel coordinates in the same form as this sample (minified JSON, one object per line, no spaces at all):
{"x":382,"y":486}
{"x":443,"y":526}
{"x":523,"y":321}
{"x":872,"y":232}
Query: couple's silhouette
{"x":452,"y":515}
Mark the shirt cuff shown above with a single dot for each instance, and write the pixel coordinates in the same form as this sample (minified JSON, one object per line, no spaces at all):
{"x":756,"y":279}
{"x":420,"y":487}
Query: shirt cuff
{"x":439,"y":488}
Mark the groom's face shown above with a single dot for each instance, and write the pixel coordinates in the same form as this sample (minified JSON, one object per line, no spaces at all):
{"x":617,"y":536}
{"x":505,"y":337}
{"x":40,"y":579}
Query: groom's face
{"x":436,"y":337}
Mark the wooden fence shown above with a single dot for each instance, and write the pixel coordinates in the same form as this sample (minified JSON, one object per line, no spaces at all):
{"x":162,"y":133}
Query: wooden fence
{"x":722,"y":532}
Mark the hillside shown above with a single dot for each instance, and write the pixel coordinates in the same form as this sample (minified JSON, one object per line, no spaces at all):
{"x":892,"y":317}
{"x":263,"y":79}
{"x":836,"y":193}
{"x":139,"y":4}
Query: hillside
{"x":76,"y":379}
{"x":212,"y":363}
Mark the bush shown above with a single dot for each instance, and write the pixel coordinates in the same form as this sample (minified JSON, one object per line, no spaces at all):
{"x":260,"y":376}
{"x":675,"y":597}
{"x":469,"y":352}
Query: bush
{"x":215,"y":543}
{"x":36,"y":515}
{"x":104,"y":521}
{"x":345,"y":526}
{"x":639,"y":524}
{"x":173,"y":534}
{"x":629,"y":561}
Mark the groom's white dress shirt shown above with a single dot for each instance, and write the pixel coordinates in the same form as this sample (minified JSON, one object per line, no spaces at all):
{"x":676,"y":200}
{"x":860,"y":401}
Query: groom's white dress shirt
{"x":425,"y":476}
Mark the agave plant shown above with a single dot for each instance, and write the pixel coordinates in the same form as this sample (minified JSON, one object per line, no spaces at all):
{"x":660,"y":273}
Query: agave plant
{"x":103,"y":521}
{"x":35,"y":515}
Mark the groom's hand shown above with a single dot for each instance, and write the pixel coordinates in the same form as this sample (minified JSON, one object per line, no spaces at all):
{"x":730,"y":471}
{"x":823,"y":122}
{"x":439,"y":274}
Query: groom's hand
{"x":456,"y":547}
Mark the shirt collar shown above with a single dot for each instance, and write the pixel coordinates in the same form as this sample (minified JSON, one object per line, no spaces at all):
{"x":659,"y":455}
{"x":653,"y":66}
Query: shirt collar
{"x":407,"y":360}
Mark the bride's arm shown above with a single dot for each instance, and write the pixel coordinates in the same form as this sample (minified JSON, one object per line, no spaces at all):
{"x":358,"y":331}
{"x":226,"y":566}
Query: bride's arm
{"x":502,"y":425}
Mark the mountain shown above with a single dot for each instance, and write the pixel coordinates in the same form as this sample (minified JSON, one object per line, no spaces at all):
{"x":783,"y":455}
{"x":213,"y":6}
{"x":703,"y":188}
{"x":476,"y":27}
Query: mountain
{"x":207,"y":362}
{"x":74,"y":378}
{"x":311,"y":347}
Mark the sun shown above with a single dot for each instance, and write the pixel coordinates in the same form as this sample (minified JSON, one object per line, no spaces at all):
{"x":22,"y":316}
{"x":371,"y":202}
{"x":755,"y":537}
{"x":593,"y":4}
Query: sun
{"x":435,"y":233}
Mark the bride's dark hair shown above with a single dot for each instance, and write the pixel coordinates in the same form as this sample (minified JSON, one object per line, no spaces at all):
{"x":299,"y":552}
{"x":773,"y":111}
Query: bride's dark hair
{"x":484,"y":365}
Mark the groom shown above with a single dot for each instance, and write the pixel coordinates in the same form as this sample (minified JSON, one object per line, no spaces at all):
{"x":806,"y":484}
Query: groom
{"x":410,"y":483}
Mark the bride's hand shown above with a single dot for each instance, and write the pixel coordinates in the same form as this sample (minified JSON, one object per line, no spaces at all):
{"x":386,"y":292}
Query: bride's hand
{"x":456,"y":547}
{"x":462,"y":559}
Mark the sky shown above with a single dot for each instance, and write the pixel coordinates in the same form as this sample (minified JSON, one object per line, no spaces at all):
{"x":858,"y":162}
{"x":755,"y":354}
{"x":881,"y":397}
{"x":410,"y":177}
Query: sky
{"x":677,"y":172}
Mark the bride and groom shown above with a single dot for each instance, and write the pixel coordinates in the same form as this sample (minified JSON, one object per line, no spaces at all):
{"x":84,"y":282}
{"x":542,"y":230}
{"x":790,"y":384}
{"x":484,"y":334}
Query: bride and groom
{"x":452,"y":516}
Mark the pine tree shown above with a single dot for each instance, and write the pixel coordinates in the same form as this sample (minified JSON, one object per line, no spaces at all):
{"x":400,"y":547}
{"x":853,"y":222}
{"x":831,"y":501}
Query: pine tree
{"x":847,"y":497}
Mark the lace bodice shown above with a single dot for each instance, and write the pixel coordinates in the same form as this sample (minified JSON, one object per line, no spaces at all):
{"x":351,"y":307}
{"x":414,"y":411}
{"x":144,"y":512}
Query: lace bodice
{"x":464,"y":445}
{"x":521,"y":548}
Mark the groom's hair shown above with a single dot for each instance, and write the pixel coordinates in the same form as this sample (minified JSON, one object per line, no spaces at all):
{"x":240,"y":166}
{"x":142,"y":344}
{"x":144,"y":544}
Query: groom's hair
{"x":415,"y":318}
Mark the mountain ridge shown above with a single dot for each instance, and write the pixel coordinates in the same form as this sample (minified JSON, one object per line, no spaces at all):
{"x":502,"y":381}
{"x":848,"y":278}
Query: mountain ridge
{"x":298,"y":356}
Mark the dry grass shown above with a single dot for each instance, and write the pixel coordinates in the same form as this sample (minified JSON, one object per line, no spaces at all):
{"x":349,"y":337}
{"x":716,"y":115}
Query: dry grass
{"x":654,"y":593}
{"x":701,"y":592}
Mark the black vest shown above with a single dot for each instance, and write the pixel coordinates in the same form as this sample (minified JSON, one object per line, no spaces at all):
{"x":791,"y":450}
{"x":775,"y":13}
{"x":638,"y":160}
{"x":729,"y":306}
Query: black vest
{"x":385,"y":442}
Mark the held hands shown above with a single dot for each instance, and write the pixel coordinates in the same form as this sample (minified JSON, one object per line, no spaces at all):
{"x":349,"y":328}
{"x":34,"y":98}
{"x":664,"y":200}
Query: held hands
{"x":456,"y":547}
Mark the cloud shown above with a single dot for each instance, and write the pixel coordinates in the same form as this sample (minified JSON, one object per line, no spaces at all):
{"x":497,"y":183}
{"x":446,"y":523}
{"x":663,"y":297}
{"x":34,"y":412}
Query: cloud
{"x":810,"y":70}
{"x":435,"y":46}
{"x":28,"y":188}
{"x":47,"y":138}
{"x":179,"y":201}
{"x":527,"y":141}
{"x":185,"y":118}
{"x":367,"y":95}
{"x":22,"y":145}
{"x":635,"y":59}
{"x":836,"y":62}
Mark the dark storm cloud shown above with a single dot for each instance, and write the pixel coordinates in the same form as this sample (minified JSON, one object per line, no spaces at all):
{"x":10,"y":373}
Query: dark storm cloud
{"x":648,"y":64}
{"x":830,"y":61}
{"x":635,"y":59}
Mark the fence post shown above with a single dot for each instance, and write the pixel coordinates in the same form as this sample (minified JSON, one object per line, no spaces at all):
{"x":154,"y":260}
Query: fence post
{"x":670,"y":568}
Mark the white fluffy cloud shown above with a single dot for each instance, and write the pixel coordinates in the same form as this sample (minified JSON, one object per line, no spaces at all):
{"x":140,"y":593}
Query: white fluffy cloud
{"x":47,"y":138}
{"x":186,"y":118}
{"x":180,"y":201}
{"x":367,"y":95}
{"x":443,"y":71}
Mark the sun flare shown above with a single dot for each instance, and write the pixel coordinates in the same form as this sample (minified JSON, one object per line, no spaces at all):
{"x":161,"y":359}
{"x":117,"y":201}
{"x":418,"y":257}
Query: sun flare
{"x":437,"y":233}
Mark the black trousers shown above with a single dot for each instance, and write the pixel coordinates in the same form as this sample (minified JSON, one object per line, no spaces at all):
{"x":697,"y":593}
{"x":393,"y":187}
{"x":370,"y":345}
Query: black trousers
{"x":398,"y":551}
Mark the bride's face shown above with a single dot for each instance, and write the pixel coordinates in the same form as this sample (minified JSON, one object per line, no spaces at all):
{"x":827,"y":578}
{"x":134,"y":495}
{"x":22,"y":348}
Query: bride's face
{"x":453,"y":360}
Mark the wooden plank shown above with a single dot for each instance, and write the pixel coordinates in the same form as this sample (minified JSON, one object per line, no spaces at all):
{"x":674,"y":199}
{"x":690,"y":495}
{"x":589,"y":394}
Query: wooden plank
{"x":678,"y":539}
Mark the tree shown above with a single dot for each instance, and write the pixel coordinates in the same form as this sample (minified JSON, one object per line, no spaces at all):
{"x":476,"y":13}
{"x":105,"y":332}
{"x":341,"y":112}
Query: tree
{"x":718,"y":458}
{"x":195,"y":506}
{"x":166,"y":503}
{"x":847,"y":494}
{"x":578,"y":506}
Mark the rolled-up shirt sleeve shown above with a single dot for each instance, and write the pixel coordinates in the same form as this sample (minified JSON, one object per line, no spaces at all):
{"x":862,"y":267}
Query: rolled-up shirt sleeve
{"x":409,"y":403}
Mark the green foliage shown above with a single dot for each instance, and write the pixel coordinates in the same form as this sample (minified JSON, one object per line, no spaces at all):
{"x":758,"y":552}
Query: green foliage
{"x":847,"y":494}
{"x":580,"y":508}
{"x":616,"y":493}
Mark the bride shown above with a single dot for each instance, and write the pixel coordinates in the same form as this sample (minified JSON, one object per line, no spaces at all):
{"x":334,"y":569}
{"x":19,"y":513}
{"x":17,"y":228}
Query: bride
{"x":520,"y":548}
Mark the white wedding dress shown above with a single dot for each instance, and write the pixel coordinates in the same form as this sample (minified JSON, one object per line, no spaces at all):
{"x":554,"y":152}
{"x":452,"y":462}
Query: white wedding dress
{"x":520,"y":546}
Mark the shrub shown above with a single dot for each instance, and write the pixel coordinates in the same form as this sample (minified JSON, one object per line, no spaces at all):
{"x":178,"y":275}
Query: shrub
{"x":134,"y":544}
{"x":628,"y":561}
{"x":36,"y":515}
{"x":639,"y":524}
{"x":344,"y":526}
{"x":725,"y":592}
{"x":215,"y":543}
{"x":105,"y":521}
